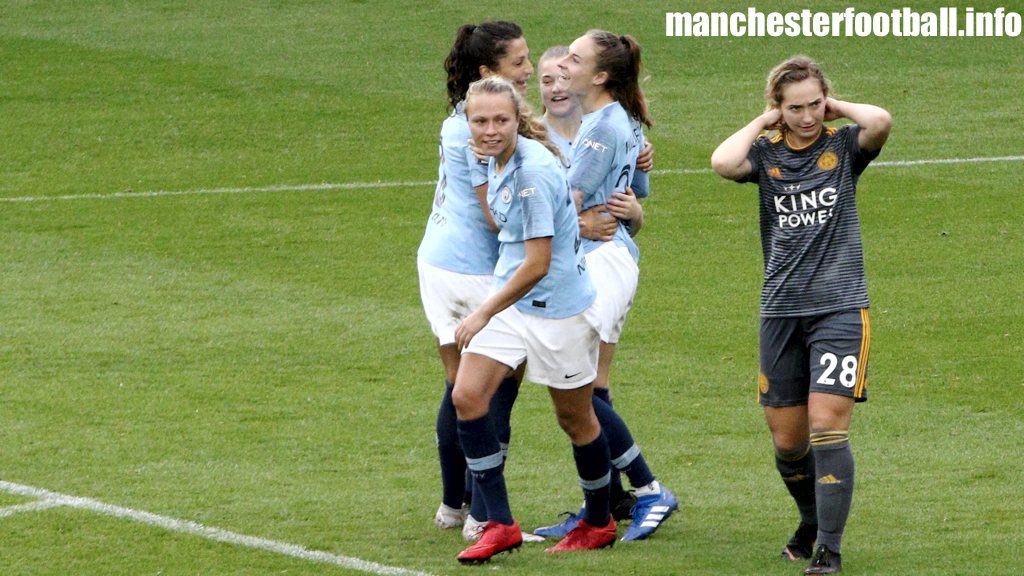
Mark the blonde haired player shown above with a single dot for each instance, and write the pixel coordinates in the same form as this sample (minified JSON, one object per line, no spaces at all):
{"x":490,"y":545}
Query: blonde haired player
{"x":815,"y":333}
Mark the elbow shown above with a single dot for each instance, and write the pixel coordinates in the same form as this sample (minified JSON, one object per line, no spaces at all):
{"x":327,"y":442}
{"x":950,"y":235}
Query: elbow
{"x":877,"y":132}
{"x":718,"y":166}
{"x":883,"y":123}
{"x":722,"y":167}
{"x":539,"y":269}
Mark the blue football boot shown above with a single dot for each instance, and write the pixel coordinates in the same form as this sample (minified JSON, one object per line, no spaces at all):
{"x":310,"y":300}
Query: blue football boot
{"x":650,"y":511}
{"x":558,"y":531}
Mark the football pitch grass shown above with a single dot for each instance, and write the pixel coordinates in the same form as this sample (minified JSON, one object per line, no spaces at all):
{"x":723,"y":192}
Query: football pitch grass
{"x":213,"y":358}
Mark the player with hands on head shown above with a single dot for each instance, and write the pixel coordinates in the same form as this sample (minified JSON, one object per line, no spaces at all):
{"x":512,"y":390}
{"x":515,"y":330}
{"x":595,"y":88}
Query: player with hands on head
{"x":815,"y":331}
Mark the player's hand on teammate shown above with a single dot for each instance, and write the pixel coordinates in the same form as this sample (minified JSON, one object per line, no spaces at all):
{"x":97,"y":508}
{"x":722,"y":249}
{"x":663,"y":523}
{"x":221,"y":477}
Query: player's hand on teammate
{"x":625,"y":206}
{"x":469,"y":328}
{"x":598,"y":223}
{"x":645,"y":160}
{"x":478,"y":152}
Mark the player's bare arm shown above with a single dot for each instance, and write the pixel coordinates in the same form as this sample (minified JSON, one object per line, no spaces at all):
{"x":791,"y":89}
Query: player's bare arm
{"x":596,"y":223}
{"x":875,"y":123}
{"x":730,"y":158}
{"x":530,"y":272}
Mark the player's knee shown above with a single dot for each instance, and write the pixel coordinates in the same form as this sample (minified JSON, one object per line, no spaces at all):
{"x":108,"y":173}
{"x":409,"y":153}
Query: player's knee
{"x":581,"y":428}
{"x":791,"y":454}
{"x":470,"y":403}
{"x":833,"y":414}
{"x":790,"y":443}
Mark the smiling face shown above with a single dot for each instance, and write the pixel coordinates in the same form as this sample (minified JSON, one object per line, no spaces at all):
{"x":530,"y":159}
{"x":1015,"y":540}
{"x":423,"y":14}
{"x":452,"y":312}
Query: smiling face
{"x":514,"y":66}
{"x":557,"y":101}
{"x":803,"y":111}
{"x":579,"y":67}
{"x":494,"y":123}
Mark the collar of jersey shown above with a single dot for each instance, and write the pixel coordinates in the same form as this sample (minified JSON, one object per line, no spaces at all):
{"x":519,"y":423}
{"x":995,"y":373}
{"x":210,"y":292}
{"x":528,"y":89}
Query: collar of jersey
{"x":785,"y":139}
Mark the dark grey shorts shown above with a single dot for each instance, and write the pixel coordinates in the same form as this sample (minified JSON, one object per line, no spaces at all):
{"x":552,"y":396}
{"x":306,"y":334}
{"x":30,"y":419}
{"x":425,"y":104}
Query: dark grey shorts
{"x":826,"y":353}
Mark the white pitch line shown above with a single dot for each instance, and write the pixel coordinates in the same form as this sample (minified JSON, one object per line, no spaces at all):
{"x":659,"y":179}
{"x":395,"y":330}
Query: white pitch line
{"x":370,"y":185}
{"x":29,"y":507}
{"x":948,"y":161}
{"x":682,"y":171}
{"x":243,"y":190}
{"x":208,"y":532}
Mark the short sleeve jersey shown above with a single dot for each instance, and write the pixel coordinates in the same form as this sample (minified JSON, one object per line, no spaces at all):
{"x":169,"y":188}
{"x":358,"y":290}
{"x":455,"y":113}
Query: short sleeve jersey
{"x":641,"y":182}
{"x":810,"y":230}
{"x":603,"y":162}
{"x":530,"y":199}
{"x":458,"y":238}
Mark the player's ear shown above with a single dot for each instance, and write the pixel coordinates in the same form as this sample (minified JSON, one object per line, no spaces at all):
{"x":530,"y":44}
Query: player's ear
{"x":485,"y":71}
{"x":601,"y":78}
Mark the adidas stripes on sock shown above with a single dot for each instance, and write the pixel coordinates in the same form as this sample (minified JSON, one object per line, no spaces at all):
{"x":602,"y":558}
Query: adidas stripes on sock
{"x":833,"y":488}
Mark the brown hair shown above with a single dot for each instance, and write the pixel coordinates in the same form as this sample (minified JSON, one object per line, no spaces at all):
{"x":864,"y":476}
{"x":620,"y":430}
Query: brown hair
{"x":796,"y":69}
{"x":529,"y":126}
{"x":476,"y":45}
{"x":619,"y":56}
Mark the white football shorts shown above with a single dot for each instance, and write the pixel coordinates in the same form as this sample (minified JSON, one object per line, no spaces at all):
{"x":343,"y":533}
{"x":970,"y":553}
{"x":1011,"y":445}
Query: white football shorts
{"x":615,"y":275}
{"x":560,"y":353}
{"x":448,"y":297}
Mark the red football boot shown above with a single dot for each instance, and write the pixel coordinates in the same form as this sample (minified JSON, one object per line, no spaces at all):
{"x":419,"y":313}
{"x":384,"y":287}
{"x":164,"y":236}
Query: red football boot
{"x":495,"y":539}
{"x":587,"y":537}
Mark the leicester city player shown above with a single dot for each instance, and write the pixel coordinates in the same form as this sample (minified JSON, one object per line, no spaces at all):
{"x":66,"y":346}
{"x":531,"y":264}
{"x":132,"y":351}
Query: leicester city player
{"x":815,"y":334}
{"x":538,"y":313}
{"x":603,"y":70}
{"x":460,"y":247}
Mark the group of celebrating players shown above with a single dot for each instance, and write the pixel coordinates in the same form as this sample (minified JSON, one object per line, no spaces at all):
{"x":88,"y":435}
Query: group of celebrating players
{"x":528,"y":267}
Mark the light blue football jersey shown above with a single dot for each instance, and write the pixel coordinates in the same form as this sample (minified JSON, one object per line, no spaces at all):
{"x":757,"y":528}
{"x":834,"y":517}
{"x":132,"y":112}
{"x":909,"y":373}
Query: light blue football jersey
{"x":641,"y":183}
{"x":530,"y":199}
{"x":603,"y":162}
{"x":458,"y":238}
{"x":564,"y":146}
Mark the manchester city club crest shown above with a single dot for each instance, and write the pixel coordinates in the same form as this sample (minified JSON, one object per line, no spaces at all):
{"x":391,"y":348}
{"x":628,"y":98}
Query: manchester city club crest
{"x":506,"y":194}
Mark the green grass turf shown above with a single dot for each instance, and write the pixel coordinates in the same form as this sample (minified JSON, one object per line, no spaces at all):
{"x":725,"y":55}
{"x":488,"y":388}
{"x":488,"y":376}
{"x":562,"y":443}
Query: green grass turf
{"x":259,"y":361}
